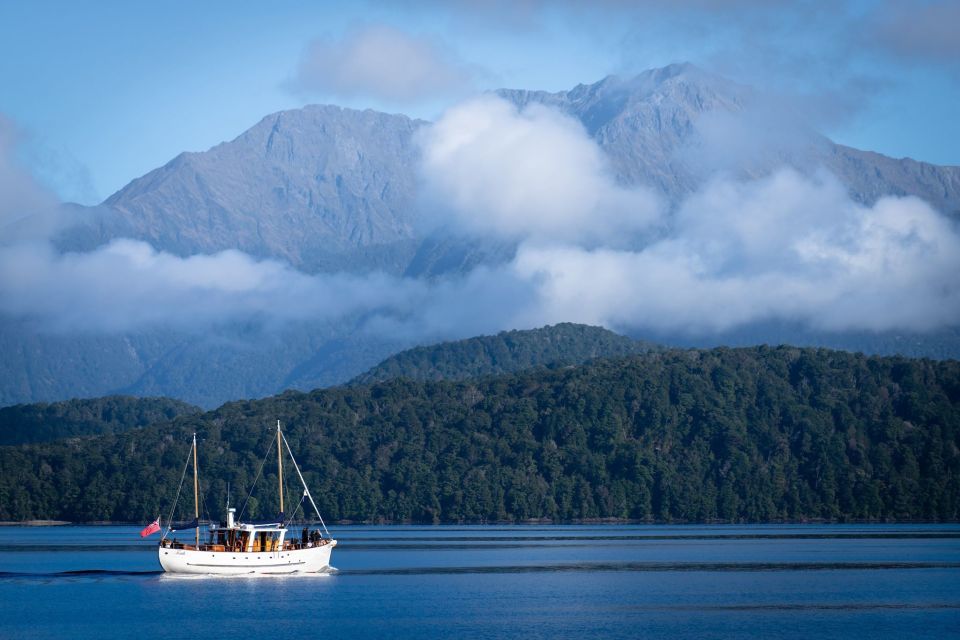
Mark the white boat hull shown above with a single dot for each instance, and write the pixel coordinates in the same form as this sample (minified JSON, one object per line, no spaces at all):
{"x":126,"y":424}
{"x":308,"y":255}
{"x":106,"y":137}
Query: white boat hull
{"x":290,"y":561}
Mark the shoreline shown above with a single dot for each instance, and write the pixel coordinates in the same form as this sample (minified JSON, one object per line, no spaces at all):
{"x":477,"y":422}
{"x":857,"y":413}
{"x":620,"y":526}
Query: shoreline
{"x":530,"y":522}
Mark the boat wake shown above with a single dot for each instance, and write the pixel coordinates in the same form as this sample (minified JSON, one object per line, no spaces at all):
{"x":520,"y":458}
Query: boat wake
{"x":592,"y":567}
{"x":77,"y":573}
{"x":326,"y":573}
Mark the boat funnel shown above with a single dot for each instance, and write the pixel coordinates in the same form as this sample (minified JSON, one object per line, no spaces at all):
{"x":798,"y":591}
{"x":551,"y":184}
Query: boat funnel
{"x":230,"y":512}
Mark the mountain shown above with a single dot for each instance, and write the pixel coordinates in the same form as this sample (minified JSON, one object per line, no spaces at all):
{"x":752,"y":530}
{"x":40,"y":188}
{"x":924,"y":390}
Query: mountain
{"x":940,"y":344}
{"x":558,"y":345}
{"x":26,"y":423}
{"x":329,"y":189}
{"x":744,"y":435}
{"x":656,"y":127}
{"x":319,"y":187}
{"x":205,"y":369}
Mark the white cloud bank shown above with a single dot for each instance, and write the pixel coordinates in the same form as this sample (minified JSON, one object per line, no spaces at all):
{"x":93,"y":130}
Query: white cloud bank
{"x":127,"y":285}
{"x":784,"y":248}
{"x":781,"y":247}
{"x":533,"y":173}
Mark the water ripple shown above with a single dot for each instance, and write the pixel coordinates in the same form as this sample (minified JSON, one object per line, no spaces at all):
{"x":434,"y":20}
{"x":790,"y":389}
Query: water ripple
{"x":657,"y":566}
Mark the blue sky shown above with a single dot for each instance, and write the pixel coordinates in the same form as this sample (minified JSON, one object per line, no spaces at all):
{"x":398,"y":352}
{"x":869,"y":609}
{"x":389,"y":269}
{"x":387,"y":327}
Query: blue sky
{"x":102,"y":93}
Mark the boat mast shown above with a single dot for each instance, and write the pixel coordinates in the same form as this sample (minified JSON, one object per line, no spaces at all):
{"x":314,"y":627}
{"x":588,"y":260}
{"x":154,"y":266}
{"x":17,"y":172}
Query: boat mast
{"x":280,"y":466}
{"x":196,"y":491}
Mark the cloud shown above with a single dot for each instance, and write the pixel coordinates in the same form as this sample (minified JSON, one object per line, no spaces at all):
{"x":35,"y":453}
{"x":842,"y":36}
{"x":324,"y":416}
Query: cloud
{"x":918,"y":31}
{"x":485,"y":300}
{"x":127,"y":285}
{"x":735,"y":252}
{"x":382,"y":63}
{"x":834,"y":59}
{"x":533,"y":173}
{"x":21,"y":196}
{"x":784,"y":247}
{"x":762,"y":132}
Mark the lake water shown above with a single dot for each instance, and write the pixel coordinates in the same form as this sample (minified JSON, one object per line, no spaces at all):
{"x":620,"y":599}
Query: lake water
{"x":778,"y":581}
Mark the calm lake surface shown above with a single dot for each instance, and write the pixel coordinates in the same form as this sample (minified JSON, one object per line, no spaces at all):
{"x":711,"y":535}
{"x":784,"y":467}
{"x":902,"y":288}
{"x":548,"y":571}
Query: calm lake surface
{"x":778,"y":581}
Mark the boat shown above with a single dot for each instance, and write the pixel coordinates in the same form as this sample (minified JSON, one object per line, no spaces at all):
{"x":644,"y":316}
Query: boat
{"x":234,"y":547}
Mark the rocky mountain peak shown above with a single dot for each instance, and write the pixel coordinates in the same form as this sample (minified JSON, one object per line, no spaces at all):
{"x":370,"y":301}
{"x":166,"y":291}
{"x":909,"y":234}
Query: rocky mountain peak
{"x":332,"y":189}
{"x":310,"y":186}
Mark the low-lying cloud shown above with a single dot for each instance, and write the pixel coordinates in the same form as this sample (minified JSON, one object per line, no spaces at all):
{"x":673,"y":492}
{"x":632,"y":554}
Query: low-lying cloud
{"x":532,"y":173}
{"x":781,"y":248}
{"x":737,"y":251}
{"x":127,"y":285}
{"x":734,"y":252}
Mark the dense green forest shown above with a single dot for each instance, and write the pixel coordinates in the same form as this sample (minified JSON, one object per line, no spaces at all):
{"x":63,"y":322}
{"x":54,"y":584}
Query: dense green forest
{"x":747,"y":435}
{"x":553,"y":346}
{"x":43,"y":421}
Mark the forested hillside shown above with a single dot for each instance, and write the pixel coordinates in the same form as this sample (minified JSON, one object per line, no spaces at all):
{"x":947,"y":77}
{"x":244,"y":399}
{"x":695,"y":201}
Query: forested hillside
{"x":44,"y":421}
{"x":508,"y":351}
{"x":754,"y":435}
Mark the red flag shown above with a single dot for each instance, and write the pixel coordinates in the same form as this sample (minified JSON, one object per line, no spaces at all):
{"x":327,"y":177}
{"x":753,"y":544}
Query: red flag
{"x":151,"y":528}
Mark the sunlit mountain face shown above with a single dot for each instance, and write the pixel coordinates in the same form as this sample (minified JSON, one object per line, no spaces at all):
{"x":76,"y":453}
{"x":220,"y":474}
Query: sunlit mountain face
{"x":674,"y":205}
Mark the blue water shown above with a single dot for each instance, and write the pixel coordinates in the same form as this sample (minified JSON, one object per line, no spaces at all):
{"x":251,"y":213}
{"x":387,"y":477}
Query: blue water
{"x":779,"y":581}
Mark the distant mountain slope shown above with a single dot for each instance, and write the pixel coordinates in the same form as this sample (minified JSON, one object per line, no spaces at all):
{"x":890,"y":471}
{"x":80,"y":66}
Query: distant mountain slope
{"x":323,"y":188}
{"x":737,"y":435}
{"x":205,"y":370}
{"x":330,"y":189}
{"x":45,"y":367}
{"x":652,"y":127}
{"x":303,"y":356}
{"x":942,"y":344}
{"x":870,"y":175}
{"x":508,"y":351}
{"x":43,"y":422}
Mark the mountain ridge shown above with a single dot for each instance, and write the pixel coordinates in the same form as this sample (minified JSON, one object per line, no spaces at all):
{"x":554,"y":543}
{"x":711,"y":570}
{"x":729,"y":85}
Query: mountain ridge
{"x":44,"y":422}
{"x":330,"y":190}
{"x":350,"y":187}
{"x":313,"y":186}
{"x":557,"y":345}
{"x":673,"y":98}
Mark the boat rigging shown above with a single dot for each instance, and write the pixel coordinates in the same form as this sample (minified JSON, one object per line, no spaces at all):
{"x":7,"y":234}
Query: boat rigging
{"x":237,"y":547}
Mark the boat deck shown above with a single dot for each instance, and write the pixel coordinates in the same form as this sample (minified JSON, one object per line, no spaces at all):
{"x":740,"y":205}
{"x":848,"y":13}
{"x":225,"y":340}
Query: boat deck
{"x":238,"y":547}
